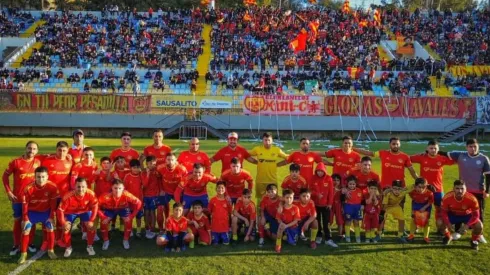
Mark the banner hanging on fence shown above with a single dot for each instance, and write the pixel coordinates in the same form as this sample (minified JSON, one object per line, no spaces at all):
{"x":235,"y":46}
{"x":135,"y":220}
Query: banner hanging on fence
{"x":421,"y":107}
{"x":189,"y":102}
{"x":469,"y":70}
{"x":483,"y":110}
{"x":283,"y":105}
{"x":67,"y":102}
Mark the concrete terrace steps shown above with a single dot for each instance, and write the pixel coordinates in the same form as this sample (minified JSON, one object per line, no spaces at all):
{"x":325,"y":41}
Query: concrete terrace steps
{"x":27,"y":54}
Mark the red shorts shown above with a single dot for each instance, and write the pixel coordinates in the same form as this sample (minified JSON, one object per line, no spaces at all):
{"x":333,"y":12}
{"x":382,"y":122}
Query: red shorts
{"x":202,"y":234}
{"x":337,"y":213}
{"x":371,"y":221}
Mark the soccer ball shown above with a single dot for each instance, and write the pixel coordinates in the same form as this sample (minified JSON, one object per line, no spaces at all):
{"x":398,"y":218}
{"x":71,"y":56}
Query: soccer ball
{"x":456,"y":236}
{"x":162,"y":240}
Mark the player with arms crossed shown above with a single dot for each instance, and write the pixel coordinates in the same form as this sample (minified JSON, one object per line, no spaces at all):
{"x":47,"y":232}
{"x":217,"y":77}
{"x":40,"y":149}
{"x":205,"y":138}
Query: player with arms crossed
{"x":22,"y":169}
{"x":38,"y":206}
{"x":460,"y":206}
{"x":80,"y":203}
{"x":118,"y":203}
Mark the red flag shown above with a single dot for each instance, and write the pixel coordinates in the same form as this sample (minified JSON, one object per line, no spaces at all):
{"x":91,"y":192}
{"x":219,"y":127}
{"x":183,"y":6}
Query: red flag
{"x":346,"y":7}
{"x":299,"y":44}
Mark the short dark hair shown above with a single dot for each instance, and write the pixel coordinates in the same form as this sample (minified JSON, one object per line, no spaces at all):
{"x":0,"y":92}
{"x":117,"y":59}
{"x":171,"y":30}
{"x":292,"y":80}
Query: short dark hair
{"x":372,"y":183}
{"x":117,"y":181}
{"x":304,"y":190}
{"x":31,"y":142}
{"x":102,"y":159}
{"x":41,"y":169}
{"x":471,"y":141}
{"x":246,"y":192}
{"x":397,"y":183}
{"x":197,"y":166}
{"x":235,"y":160}
{"x":351,"y":178}
{"x":336,"y":176}
{"x":459,"y":183}
{"x":346,"y":137}
{"x":294,"y":167}
{"x":171,"y":155}
{"x":419,"y":181}
{"x":270,"y":186}
{"x":197,"y":203}
{"x":394,"y":138}
{"x":80,"y":179}
{"x":221,"y":182}
{"x":178,"y":205}
{"x":432,"y":142}
{"x":126,"y":134}
{"x":267,"y":135}
{"x":150,"y":158}
{"x":118,"y":158}
{"x":62,"y":144}
{"x":86,"y":149}
{"x":302,"y":139}
{"x":286,"y":192}
{"x":134,"y":163}
{"x":158,"y":131}
{"x":366,"y":158}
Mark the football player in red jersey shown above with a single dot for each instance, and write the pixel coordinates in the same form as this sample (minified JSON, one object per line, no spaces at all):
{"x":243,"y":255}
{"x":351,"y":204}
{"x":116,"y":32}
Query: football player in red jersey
{"x":235,"y":179}
{"x":344,"y":158}
{"x":125,"y":150}
{"x":199,"y":224}
{"x":307,"y":213}
{"x":294,"y":181}
{"x":177,"y":230}
{"x":268,"y":210}
{"x":157,"y":149}
{"x":393,"y":163}
{"x":352,"y":208}
{"x":220,"y":210}
{"x":22,"y":170}
{"x":422,"y":200}
{"x":86,"y":169}
{"x":133,"y":183}
{"x":39,"y":201}
{"x":193,"y":155}
{"x":76,"y":150}
{"x":244,"y":214}
{"x":151,"y":190}
{"x":80,"y":203}
{"x":231,"y":151}
{"x":118,"y":203}
{"x":460,"y":206}
{"x":288,"y":219}
{"x":305,"y":158}
{"x":364,"y":174}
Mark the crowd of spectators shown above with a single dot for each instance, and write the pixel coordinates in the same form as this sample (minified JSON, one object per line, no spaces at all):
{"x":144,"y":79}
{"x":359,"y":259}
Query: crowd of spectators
{"x":13,"y":21}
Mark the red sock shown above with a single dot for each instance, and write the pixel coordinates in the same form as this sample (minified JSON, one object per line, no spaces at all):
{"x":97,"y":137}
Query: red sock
{"x":261,"y":231}
{"x":475,"y":237}
{"x":17,"y":231}
{"x":58,"y":232}
{"x":447,"y":234}
{"x":45,"y":234}
{"x":84,"y":228}
{"x":67,"y":238}
{"x":50,"y":235}
{"x":32,"y":234}
{"x":160,"y":211}
{"x":128,"y":226}
{"x":24,"y":243}
{"x":91,"y":236}
{"x":104,"y":229}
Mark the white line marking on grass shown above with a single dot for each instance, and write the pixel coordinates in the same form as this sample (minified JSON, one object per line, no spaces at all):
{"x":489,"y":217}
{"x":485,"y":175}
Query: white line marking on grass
{"x":25,"y":265}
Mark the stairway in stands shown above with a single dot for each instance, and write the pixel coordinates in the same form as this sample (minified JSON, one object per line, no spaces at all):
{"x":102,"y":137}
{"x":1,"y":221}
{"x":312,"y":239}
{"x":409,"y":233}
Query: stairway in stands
{"x":204,"y":59}
{"x":459,"y":132}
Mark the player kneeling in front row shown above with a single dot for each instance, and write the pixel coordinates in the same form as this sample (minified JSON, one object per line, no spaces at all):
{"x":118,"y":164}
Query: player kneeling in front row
{"x":422,"y":200}
{"x":307,"y":213}
{"x":118,"y":203}
{"x":244,"y":215}
{"x":459,"y":206}
{"x":287,"y":217}
{"x":79,"y":203}
{"x":38,"y":206}
{"x":199,"y":224}
{"x":178,"y":233}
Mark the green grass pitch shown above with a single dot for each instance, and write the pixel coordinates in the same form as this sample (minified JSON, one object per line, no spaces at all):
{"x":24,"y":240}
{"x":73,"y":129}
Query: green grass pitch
{"x":144,"y":257}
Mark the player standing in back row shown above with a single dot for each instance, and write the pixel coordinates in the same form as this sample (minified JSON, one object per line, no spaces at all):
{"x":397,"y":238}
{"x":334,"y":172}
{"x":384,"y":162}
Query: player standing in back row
{"x":344,"y":159}
{"x":125,"y":150}
{"x":231,"y":151}
{"x":157,"y":149}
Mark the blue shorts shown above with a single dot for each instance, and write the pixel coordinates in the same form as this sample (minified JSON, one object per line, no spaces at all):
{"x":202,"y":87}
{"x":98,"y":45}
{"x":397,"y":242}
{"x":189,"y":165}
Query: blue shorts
{"x":217,"y":237}
{"x":164,"y":200}
{"x":84,"y":217}
{"x":188,"y":200}
{"x":292,"y":235}
{"x":233,"y":200}
{"x":438,"y":198}
{"x":38,"y":217}
{"x":17,"y":209}
{"x":122,"y":213}
{"x":352,"y":212}
{"x":179,"y":239}
{"x":453,"y":219}
{"x":150,"y":203}
{"x":140,"y":214}
{"x":273,"y":224}
{"x":417,"y":206}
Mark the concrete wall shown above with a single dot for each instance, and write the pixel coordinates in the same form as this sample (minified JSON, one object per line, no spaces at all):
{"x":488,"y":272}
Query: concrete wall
{"x":141,"y":125}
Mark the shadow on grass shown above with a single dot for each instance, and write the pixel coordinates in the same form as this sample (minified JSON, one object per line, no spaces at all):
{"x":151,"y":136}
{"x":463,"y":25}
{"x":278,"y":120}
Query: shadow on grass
{"x":143,"y":248}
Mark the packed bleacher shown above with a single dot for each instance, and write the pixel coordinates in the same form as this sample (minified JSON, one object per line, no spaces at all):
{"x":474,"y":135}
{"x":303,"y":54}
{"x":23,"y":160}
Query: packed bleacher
{"x":14,"y":22}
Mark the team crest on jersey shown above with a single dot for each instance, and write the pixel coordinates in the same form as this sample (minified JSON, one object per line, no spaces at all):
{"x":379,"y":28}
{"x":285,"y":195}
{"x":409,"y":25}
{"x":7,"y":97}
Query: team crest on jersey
{"x":351,"y":159}
{"x":130,"y":157}
{"x":439,"y":163}
{"x":198,"y":158}
{"x":67,"y":165}
{"x":52,"y":165}
{"x":310,"y":159}
{"x":359,"y":194}
{"x":478,"y":162}
{"x":162,"y":153}
{"x":239,"y":156}
{"x":325,"y":184}
{"x":464,"y":207}
{"x":46,"y":194}
{"x":400,"y":160}
{"x":21,"y":168}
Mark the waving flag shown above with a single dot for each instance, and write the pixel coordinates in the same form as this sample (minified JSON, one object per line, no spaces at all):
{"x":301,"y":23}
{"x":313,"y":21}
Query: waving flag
{"x":377,"y":17}
{"x":299,"y":44}
{"x":346,"y":7}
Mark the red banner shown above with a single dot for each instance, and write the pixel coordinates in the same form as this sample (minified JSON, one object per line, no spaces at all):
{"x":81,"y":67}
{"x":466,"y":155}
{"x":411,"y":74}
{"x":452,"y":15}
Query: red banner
{"x":69,"y":102}
{"x":421,"y":107}
{"x":283,"y":105}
